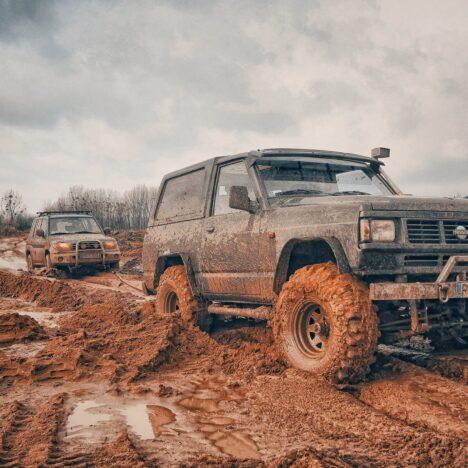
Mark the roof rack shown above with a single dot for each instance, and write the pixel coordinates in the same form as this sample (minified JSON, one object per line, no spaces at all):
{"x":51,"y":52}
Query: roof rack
{"x":43,"y":213}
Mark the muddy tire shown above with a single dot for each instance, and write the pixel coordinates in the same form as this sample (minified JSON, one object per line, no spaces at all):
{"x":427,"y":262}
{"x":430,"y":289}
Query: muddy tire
{"x":48,"y":262}
{"x":29,"y":263}
{"x":174,"y":295}
{"x":325,"y":324}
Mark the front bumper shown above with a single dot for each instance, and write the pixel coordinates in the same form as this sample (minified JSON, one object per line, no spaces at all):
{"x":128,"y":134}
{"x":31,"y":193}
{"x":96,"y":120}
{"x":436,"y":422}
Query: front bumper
{"x":78,"y":258}
{"x":440,"y":289}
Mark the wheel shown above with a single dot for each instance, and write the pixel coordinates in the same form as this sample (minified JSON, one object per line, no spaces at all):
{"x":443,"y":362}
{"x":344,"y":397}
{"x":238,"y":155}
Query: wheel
{"x":325,"y":323}
{"x":174,"y":296}
{"x":48,"y":262}
{"x":29,"y":263}
{"x":114,"y":266}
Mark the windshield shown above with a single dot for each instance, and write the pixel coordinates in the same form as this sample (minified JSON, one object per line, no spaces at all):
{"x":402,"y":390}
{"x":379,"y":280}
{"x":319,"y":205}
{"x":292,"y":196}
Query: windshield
{"x":74,"y":225}
{"x":296,"y":181}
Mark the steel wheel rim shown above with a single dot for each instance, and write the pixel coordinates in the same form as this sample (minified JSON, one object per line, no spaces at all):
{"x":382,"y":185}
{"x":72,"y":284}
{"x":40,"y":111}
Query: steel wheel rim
{"x":171,"y":302}
{"x":311,"y":330}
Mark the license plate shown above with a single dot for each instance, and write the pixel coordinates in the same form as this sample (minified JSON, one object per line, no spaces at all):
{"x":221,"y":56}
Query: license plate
{"x":90,"y":255}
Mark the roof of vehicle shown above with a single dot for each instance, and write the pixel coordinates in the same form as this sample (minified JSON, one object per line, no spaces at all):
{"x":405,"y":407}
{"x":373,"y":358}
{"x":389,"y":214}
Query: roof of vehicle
{"x":286,"y":152}
{"x":53,"y":214}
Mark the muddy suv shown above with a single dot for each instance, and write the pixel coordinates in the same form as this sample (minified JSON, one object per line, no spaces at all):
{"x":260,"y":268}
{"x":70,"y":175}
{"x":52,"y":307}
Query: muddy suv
{"x":322,"y":245}
{"x":68,"y":240}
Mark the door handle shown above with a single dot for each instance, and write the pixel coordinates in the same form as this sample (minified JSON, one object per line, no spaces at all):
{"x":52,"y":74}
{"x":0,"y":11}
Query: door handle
{"x":210,"y":229}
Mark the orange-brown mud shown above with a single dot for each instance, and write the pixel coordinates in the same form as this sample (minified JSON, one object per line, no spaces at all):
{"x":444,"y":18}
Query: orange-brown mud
{"x":92,"y":375}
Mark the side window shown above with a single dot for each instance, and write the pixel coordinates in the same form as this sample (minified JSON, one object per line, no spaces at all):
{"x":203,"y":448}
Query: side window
{"x":40,"y":224}
{"x":33,"y":227}
{"x":232,"y":174}
{"x":182,"y":197}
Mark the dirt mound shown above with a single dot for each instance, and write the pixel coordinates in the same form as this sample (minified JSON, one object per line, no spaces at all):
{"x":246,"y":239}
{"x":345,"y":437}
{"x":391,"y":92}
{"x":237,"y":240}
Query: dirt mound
{"x":133,"y":267}
{"x":54,"y":294}
{"x":106,"y":341}
{"x":120,"y":452}
{"x":15,"y":328}
{"x":130,"y":242}
{"x":234,"y":349}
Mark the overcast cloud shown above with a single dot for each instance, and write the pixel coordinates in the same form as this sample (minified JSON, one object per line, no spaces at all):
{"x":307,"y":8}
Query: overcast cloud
{"x":112,"y":94}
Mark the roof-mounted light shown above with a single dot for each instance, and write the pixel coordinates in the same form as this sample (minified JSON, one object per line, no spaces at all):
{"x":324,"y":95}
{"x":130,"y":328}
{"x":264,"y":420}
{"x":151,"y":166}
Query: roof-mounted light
{"x":380,"y":153}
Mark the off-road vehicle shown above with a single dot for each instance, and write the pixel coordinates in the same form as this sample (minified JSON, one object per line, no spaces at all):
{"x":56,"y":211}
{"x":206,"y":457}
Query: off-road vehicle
{"x":321,"y":244}
{"x":68,"y":240}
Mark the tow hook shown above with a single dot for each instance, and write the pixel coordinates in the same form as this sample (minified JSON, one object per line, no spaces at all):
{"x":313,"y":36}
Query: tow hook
{"x":443,"y":293}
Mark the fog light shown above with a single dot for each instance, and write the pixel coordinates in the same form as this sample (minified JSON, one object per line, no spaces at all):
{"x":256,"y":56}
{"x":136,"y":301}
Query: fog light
{"x":60,"y":259}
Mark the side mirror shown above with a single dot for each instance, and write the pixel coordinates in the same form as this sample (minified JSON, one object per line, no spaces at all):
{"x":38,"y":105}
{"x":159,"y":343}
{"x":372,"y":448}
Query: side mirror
{"x":239,"y":199}
{"x":40,"y":233}
{"x":107,"y":231}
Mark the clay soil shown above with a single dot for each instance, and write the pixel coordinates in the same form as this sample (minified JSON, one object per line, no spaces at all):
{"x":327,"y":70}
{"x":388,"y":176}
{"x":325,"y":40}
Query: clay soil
{"x":92,"y":375}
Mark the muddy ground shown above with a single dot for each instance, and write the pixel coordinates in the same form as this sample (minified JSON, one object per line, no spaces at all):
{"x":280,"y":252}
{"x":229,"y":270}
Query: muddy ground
{"x":92,"y":375}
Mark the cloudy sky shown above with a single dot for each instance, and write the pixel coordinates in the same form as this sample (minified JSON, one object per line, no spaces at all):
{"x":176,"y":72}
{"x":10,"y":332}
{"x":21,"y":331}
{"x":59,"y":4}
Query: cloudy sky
{"x":113,"y":94}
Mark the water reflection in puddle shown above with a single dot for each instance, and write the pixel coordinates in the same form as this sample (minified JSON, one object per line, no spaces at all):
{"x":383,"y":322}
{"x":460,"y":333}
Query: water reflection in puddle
{"x":144,"y":420}
{"x":84,"y":417}
{"x":136,"y":416}
{"x":200,"y":413}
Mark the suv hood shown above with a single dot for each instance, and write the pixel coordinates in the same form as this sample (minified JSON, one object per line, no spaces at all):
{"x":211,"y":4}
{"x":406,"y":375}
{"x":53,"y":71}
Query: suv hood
{"x":80,"y":237}
{"x":406,"y":203}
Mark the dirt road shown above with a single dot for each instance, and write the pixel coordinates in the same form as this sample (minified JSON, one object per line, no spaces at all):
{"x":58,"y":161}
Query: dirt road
{"x":91,"y":375}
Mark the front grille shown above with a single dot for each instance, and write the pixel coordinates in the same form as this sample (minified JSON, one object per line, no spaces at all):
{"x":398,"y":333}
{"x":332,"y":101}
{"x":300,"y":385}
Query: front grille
{"x":422,"y":260}
{"x":423,"y":231}
{"x":450,"y":237}
{"x":89,"y":245}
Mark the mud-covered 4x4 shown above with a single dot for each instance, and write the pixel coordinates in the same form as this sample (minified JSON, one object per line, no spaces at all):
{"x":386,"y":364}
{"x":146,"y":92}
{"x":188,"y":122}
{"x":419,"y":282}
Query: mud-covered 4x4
{"x":321,"y":244}
{"x":67,"y":240}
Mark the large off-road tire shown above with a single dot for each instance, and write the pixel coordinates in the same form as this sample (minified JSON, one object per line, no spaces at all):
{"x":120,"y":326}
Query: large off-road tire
{"x":174,"y":295}
{"x":325,"y":323}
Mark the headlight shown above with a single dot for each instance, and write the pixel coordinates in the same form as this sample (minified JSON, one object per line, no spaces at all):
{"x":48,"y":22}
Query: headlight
{"x":110,"y":245}
{"x":62,"y":246}
{"x":377,"y":230}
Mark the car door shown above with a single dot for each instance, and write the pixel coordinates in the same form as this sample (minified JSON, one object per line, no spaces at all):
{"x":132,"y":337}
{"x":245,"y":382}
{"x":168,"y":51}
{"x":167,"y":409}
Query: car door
{"x":178,"y":222}
{"x":230,"y":247}
{"x":38,"y":242}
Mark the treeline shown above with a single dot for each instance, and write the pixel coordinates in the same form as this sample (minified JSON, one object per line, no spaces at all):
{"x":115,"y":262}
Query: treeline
{"x":127,"y":210}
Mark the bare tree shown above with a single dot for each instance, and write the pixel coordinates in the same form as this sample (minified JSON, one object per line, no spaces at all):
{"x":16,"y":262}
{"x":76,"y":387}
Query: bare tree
{"x":11,"y":207}
{"x":129,"y":210}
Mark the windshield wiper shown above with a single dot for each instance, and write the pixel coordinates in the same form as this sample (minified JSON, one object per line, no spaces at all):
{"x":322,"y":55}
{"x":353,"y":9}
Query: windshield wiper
{"x":350,"y":192}
{"x":301,"y":192}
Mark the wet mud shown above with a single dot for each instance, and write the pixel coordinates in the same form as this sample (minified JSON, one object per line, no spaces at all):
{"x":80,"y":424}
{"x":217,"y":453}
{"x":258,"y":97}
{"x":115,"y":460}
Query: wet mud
{"x":92,"y":375}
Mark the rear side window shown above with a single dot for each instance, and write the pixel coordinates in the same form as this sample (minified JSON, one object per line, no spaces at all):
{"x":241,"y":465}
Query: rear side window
{"x":39,"y":223}
{"x":182,"y":197}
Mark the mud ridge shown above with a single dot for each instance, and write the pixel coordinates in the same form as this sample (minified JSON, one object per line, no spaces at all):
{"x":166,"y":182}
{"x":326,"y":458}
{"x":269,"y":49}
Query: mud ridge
{"x":16,"y":328}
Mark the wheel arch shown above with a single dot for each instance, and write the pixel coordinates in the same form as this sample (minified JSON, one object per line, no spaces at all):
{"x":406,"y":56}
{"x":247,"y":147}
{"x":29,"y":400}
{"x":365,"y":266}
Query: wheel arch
{"x":297,"y":253}
{"x":166,"y":261}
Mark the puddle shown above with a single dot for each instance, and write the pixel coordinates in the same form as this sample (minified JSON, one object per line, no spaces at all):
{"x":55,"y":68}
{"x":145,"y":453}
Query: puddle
{"x":199,"y":404}
{"x":89,"y":418}
{"x":219,"y":429}
{"x":11,"y":256}
{"x":236,"y":444}
{"x":137,"y":417}
{"x":160,"y":416}
{"x":203,"y":415}
{"x":84,"y":417}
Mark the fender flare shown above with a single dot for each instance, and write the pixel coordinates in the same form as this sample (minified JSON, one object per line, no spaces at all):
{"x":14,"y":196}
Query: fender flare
{"x":162,"y":264}
{"x":284,"y":258}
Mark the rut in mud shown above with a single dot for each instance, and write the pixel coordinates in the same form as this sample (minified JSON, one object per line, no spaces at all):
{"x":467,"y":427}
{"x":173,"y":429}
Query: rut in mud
{"x":93,"y":376}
